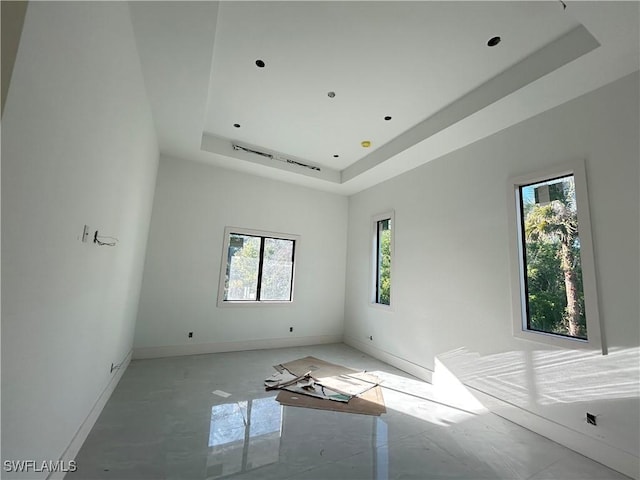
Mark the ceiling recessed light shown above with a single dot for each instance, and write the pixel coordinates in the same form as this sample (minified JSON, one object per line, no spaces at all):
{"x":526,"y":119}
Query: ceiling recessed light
{"x":493,"y":41}
{"x":260,"y":63}
{"x":331,"y":94}
{"x":237,"y":125}
{"x":387,"y":118}
{"x":366,"y":143}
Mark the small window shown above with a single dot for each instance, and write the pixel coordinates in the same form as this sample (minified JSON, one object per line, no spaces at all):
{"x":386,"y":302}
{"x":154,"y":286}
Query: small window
{"x":258,"y":267}
{"x":382,"y":257}
{"x":556,"y":282}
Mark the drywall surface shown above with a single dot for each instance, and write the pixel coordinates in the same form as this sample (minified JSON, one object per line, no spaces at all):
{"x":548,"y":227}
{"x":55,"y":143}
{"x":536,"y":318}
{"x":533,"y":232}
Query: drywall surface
{"x":451,"y":284}
{"x":78,"y":147}
{"x":12,"y":17}
{"x":193,"y":204}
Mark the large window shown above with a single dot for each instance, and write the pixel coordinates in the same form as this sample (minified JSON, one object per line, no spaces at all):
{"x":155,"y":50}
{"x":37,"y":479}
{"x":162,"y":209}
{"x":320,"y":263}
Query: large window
{"x":556,"y":297}
{"x":257,"y":267}
{"x":382,"y":256}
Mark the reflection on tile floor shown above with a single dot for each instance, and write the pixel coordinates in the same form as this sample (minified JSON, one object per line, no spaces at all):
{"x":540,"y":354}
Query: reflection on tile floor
{"x":164,"y":421}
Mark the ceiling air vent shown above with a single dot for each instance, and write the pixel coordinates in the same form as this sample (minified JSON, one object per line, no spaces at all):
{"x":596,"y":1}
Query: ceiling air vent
{"x":276,"y":157}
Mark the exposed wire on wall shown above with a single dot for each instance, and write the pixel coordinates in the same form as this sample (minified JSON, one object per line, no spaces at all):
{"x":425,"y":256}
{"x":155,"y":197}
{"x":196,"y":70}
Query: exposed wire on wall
{"x":104,"y":241}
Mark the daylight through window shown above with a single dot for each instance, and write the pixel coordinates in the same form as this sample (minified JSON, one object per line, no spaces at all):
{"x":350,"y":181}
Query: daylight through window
{"x":259,"y":266}
{"x":382,"y":256}
{"x":554,"y":296}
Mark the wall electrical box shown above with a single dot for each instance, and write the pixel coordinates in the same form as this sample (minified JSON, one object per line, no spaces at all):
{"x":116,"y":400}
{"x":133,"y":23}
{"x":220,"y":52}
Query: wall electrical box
{"x":86,"y":234}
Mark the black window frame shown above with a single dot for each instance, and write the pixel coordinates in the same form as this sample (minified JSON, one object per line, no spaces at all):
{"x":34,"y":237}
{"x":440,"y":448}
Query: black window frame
{"x":263,"y":236}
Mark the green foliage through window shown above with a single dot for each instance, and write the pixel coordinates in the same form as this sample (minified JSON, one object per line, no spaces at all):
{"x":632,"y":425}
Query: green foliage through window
{"x":553,"y":277}
{"x":259,"y":268}
{"x":383,"y":261}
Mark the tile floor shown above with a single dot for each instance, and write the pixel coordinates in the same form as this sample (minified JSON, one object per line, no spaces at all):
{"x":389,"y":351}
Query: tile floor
{"x":164,"y":422}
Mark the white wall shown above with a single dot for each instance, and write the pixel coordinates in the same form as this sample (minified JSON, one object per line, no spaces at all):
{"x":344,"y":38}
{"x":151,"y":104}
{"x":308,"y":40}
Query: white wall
{"x":78,"y":146}
{"x":451,"y":284}
{"x":193,"y":204}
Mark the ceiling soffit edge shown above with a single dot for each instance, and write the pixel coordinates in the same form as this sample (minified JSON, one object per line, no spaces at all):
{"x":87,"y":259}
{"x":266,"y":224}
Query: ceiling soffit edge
{"x":545,"y":60}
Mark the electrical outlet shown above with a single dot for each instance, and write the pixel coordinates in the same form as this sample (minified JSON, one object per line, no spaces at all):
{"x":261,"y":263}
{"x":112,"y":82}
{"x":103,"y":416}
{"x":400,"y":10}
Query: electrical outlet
{"x":190,"y":334}
{"x":85,"y":234}
{"x":291,"y":329}
{"x":591,"y":419}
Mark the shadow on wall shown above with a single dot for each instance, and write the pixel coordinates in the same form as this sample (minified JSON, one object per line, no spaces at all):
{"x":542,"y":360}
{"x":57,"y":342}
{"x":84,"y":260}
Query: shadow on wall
{"x":546,"y":377}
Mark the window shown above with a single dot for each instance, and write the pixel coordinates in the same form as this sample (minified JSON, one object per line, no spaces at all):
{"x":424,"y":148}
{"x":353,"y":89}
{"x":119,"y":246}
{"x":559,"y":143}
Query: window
{"x":382,"y":256}
{"x":555,"y":298}
{"x":257,"y":266}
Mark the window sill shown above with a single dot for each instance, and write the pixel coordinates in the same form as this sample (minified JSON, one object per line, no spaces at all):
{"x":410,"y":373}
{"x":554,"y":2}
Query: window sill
{"x":559,"y":340}
{"x":248,"y":303}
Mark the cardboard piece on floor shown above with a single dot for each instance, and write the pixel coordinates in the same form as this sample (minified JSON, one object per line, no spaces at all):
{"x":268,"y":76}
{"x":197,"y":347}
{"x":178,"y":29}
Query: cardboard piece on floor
{"x":353,"y":385}
{"x":314,"y":389}
{"x":304,"y":385}
{"x":347,"y":381}
{"x":317,"y":368}
{"x":281,"y":380}
{"x":370,"y":402}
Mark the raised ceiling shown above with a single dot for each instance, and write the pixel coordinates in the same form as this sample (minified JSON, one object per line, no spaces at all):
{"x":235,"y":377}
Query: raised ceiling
{"x":405,"y":60}
{"x":426,"y":65}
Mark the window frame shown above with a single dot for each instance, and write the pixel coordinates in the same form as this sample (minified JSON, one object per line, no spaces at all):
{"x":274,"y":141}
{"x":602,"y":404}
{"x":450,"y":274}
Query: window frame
{"x":518,"y":268}
{"x":388,"y":215}
{"x":228,"y":231}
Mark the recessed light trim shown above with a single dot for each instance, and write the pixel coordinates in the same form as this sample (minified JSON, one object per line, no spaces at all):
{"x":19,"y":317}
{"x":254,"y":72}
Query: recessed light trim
{"x":260,"y":63}
{"x":493,"y":41}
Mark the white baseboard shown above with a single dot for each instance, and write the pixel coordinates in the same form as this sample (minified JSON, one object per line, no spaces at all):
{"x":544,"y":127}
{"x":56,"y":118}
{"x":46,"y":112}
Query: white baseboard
{"x":414,"y":369}
{"x":612,"y":457}
{"x":220,"y":347}
{"x":619,"y":460}
{"x":81,"y":435}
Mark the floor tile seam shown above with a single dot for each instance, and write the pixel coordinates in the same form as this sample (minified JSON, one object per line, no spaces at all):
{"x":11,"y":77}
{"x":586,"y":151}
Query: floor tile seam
{"x":328,"y":462}
{"x":544,"y":468}
{"x":453,"y":455}
{"x":508,"y":435}
{"x":515,"y":474}
{"x":428,"y":400}
{"x":404,"y":437}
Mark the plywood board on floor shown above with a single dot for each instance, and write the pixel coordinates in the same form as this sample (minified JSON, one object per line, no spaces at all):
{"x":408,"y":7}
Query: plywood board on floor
{"x":316,"y":367}
{"x":370,"y":402}
{"x":366,"y":394}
